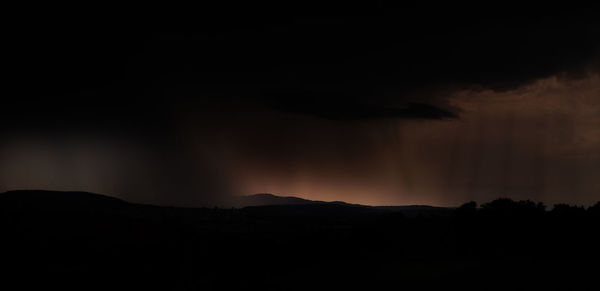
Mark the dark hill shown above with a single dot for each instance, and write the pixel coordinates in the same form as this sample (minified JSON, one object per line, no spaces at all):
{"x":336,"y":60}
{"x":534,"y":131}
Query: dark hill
{"x":289,"y":205}
{"x":78,"y":240}
{"x":59,"y":199}
{"x":270,"y":199}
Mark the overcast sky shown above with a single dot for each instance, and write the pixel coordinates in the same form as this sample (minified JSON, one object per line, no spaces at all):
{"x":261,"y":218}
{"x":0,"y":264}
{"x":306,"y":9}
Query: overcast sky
{"x":377,"y":105}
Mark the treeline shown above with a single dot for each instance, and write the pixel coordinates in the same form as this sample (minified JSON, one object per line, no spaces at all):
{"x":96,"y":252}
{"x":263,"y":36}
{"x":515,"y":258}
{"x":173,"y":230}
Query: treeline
{"x":509,"y":207}
{"x":507,"y":228}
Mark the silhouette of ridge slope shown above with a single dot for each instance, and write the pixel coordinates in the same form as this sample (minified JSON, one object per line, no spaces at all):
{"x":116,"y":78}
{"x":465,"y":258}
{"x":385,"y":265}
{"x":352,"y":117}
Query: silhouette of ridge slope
{"x":289,"y":205}
{"x":60,"y":200}
{"x":77,"y":239}
{"x":263,"y":199}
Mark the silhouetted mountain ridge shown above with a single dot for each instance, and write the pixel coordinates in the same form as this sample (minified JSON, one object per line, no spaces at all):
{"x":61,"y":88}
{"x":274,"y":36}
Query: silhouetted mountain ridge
{"x":60,"y":199}
{"x":264,"y":199}
{"x":269,"y":204}
{"x":263,"y":203}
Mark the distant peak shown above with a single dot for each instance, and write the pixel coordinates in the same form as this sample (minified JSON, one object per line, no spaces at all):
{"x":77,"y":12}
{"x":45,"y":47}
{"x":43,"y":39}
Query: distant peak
{"x":263,"y":199}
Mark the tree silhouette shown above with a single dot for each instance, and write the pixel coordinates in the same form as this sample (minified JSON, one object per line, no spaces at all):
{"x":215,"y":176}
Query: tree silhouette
{"x":567,"y":210}
{"x":467,"y":210}
{"x":509,"y":207}
{"x":594,"y":210}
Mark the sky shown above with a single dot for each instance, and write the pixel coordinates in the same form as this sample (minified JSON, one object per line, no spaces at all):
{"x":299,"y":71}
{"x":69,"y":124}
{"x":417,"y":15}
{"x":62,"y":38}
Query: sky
{"x":378,"y":105}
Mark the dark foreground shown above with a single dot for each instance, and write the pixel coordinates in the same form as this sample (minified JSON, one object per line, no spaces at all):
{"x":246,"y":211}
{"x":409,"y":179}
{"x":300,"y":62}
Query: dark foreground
{"x":91,"y":242}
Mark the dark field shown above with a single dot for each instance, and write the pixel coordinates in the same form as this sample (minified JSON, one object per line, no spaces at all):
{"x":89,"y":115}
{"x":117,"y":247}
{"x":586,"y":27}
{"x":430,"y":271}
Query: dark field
{"x":91,"y":242}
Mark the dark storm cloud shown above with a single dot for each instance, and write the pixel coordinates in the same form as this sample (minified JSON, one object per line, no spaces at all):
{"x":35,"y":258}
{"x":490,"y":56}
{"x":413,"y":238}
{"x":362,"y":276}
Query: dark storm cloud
{"x":335,"y":62}
{"x":334,"y":65}
{"x":352,"y":111}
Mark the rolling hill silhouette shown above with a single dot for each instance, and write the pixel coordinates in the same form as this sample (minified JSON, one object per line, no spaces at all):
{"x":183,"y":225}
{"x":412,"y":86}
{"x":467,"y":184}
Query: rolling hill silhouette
{"x":60,"y":199}
{"x":270,"y":199}
{"x":76,"y":240}
{"x":287,"y":205}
